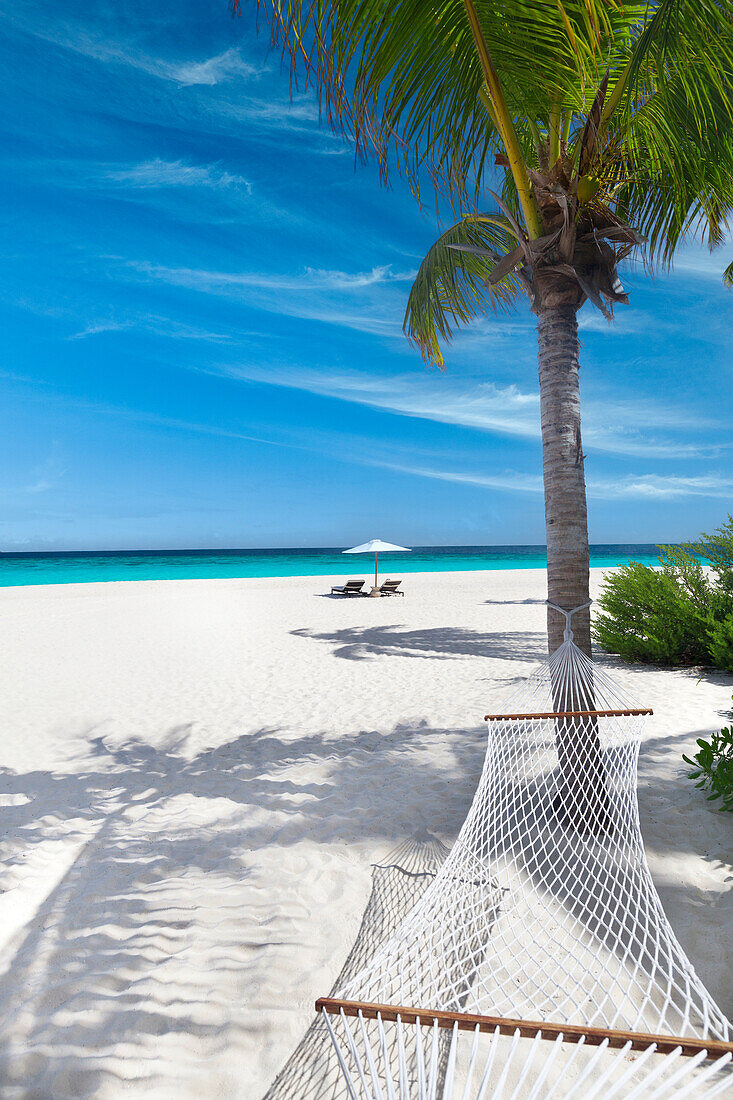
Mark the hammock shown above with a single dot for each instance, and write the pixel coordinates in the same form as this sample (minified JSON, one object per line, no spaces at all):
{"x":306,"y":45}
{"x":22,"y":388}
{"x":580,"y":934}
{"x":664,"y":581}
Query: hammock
{"x":542,"y":923}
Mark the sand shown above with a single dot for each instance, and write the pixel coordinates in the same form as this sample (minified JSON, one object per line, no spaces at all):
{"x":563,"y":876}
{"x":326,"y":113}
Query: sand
{"x":198,"y":778}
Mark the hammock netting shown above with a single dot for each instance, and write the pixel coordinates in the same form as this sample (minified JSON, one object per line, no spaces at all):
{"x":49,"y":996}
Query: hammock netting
{"x":544,"y":909}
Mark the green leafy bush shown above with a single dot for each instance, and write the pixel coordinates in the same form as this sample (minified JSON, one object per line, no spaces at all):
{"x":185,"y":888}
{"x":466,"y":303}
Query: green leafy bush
{"x":679,"y":613}
{"x":721,"y":644}
{"x":645,"y":618}
{"x":713,"y":767}
{"x":718,"y":549}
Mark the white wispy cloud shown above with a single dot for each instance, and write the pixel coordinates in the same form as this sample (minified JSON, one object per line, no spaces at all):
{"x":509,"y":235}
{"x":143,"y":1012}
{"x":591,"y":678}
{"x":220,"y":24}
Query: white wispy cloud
{"x":357,"y":320}
{"x":286,"y":123}
{"x":190,"y":71}
{"x":638,"y":487}
{"x":144,"y":416}
{"x":315,"y":294}
{"x":47,"y":474}
{"x":363,"y":452}
{"x":699,"y":262}
{"x":625,"y":322}
{"x":39,"y":486}
{"x":283,"y":114}
{"x":620,"y":427}
{"x":213,"y":70}
{"x":98,"y":327}
{"x":161,"y":173}
{"x":310,"y":279}
{"x":662,"y":487}
{"x":508,"y":481}
{"x":299,"y":114}
{"x":427,"y":397}
{"x":647,"y":427}
{"x":602,"y":433}
{"x":153,"y":325}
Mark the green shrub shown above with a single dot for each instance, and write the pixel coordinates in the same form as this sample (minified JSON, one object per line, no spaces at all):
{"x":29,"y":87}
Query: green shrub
{"x":713,"y":767}
{"x":718,"y":549}
{"x":646,"y":616}
{"x":720,"y":637}
{"x":679,"y":613}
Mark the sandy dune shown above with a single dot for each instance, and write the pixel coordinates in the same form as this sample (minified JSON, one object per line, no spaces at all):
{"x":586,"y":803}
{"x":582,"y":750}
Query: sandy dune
{"x":198,"y":779}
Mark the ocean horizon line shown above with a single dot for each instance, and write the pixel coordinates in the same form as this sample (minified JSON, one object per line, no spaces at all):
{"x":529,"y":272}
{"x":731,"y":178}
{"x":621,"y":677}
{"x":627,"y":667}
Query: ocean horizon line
{"x":20,"y":568}
{"x":320,"y":549}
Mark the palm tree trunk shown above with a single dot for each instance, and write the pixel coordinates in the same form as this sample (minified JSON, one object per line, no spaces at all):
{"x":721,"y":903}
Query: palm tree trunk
{"x":566,"y":515}
{"x":582,"y":800}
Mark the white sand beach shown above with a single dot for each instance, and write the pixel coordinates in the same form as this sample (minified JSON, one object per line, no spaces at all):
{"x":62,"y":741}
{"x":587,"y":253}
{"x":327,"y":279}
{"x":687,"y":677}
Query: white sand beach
{"x":198,"y":778}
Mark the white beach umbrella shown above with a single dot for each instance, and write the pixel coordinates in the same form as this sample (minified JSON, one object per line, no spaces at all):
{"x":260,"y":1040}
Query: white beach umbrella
{"x":376,"y":546}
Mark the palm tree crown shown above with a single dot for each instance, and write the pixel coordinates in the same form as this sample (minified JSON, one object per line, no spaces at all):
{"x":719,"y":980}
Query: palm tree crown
{"x":610,"y":123}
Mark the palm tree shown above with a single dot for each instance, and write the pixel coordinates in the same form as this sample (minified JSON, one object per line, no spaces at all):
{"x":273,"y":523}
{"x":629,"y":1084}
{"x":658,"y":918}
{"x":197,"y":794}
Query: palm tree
{"x":609,"y":126}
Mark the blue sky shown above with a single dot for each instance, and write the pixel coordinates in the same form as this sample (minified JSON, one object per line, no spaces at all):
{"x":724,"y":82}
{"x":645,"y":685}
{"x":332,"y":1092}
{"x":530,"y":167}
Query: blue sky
{"x":202,"y":297}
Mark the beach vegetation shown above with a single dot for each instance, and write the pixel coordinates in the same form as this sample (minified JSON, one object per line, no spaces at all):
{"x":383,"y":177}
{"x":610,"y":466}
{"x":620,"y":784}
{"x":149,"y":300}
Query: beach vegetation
{"x":566,"y":136}
{"x":677,"y":613}
{"x":712,"y":767}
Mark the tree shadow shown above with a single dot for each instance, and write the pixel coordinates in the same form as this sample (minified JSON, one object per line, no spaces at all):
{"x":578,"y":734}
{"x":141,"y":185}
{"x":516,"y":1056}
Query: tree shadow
{"x":518,"y":603}
{"x":336,"y":596}
{"x":135,"y":857}
{"x":138,"y":938}
{"x":312,"y":1071}
{"x":688,"y":815}
{"x":598,"y":900}
{"x":444,"y":643}
{"x":714,"y":676}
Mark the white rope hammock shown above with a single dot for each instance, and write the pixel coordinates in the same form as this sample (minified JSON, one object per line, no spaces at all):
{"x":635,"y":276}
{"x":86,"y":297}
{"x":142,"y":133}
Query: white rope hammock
{"x":411,"y":1062}
{"x":544,"y":910}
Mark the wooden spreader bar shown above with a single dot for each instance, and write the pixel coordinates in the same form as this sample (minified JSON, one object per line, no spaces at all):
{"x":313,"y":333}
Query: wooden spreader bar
{"x":570,"y":714}
{"x":571,"y":1033}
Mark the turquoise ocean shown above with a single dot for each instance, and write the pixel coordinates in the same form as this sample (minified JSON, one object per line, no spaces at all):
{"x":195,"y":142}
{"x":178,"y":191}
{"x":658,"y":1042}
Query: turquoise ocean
{"x":152,"y":565}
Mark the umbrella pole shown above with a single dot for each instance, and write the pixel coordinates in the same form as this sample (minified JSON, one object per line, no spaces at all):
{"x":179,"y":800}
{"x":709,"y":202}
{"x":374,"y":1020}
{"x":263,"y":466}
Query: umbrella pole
{"x":375,"y":569}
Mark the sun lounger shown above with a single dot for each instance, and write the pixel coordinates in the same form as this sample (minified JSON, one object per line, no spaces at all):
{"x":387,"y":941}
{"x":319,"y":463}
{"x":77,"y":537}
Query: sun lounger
{"x":351,"y":588}
{"x":390,"y":588}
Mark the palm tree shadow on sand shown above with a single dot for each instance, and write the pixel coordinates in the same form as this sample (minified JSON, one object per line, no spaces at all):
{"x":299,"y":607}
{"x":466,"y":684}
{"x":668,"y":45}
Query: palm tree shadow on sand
{"x":134,"y":858}
{"x":398,"y":882}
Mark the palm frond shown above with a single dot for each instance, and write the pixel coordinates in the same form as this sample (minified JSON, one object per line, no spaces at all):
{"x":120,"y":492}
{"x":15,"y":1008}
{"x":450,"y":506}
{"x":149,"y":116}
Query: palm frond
{"x":453,"y":284}
{"x":677,"y":163}
{"x":404,"y":79}
{"x":676,"y":37}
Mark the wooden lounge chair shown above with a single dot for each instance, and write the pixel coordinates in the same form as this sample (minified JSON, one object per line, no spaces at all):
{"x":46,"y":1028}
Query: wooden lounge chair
{"x":351,"y":588}
{"x":390,"y":588}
